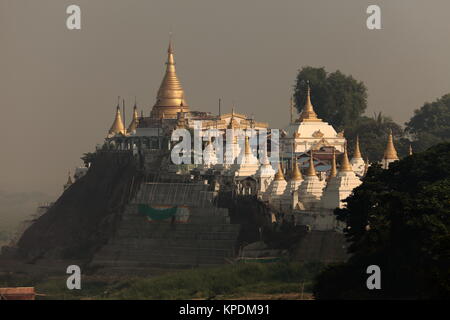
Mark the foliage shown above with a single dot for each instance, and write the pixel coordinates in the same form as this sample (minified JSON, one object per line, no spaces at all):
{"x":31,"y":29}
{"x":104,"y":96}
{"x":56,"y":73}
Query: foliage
{"x":202,"y":283}
{"x":431,"y":123}
{"x":337,"y":98}
{"x":237,"y":279}
{"x":373,"y":136}
{"x":398,"y":219}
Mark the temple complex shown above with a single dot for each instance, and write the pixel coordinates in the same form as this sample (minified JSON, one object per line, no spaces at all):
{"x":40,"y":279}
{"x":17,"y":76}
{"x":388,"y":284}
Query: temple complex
{"x":306,"y":182}
{"x":301,"y":183}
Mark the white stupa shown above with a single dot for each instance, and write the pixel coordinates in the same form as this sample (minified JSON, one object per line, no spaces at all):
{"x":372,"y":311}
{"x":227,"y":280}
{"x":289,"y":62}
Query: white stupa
{"x":311,"y":188}
{"x":340,"y":185}
{"x":276,"y":188}
{"x":357,"y":162}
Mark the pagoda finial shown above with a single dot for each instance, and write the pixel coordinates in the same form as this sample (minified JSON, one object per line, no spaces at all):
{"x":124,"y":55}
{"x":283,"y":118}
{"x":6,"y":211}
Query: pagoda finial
{"x":311,"y":170}
{"x":308,"y":113}
{"x":279,"y":175}
{"x":390,"y":153}
{"x":170,"y":48}
{"x":345,"y":165}
{"x":134,"y":121}
{"x":170,"y":92}
{"x":117,"y":126}
{"x":357,"y":154}
{"x":296,"y":174}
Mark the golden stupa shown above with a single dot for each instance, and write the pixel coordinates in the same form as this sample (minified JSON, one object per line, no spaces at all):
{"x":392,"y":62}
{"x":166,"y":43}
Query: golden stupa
{"x":296,"y":174}
{"x":308,"y":113}
{"x":134,"y":122}
{"x":311,"y":170}
{"x":357,"y":154}
{"x":390,"y":153}
{"x":345,"y":165}
{"x":117,"y":126}
{"x":279,"y":175}
{"x":170,"y":94}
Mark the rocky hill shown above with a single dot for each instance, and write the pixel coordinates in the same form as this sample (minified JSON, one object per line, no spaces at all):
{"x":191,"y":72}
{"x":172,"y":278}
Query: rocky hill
{"x":84,"y":217}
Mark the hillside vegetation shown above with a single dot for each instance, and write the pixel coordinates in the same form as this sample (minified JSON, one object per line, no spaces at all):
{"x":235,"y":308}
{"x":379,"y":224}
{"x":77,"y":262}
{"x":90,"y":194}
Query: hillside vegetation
{"x":250,"y":280}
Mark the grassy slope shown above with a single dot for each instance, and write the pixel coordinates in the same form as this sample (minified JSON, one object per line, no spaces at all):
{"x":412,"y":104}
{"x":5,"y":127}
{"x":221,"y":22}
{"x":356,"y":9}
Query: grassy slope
{"x":251,"y":280}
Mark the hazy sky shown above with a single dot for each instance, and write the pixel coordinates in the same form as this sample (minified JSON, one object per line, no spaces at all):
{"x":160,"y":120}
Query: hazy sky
{"x":58,"y":88}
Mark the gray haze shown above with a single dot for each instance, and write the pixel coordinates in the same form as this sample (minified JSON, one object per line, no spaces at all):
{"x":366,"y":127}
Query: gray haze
{"x":58,"y":88}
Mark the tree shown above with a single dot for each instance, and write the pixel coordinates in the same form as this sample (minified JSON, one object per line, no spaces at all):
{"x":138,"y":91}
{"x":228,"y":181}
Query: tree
{"x":431,"y":123}
{"x":398,"y":219}
{"x":373,"y":135}
{"x":337,"y":98}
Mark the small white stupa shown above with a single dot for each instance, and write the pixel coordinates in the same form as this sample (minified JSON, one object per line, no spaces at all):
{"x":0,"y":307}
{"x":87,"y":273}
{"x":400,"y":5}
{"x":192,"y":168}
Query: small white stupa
{"x":290,"y":193}
{"x":357,"y":162}
{"x":341,"y":185}
{"x":264,"y":175}
{"x":311,"y":188}
{"x":277,"y":188}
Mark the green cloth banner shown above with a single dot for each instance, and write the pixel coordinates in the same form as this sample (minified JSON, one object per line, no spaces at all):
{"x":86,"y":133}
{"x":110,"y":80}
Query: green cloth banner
{"x":157,"y":213}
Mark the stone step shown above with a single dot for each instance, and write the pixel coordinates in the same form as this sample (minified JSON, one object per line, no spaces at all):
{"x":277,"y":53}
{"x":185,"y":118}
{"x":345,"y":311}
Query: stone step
{"x":122,"y":249}
{"x":159,"y":259}
{"x":136,"y":267}
{"x":189,"y":235}
{"x":167,"y":243}
{"x":177,"y":227}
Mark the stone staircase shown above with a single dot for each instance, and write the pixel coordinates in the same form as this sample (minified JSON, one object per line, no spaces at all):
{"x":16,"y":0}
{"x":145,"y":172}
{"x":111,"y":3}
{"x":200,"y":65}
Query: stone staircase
{"x":206,"y":239}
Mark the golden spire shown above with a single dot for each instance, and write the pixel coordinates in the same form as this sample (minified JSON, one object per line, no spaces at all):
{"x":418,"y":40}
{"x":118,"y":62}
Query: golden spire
{"x":333,"y":165}
{"x":410,"y":150}
{"x":345,"y":165}
{"x":296,"y":174}
{"x":279,"y":175}
{"x":390,"y":153}
{"x":357,"y":154}
{"x":117,"y":126}
{"x":308,"y":113}
{"x":248,"y":150}
{"x":311,"y":170}
{"x":134,"y":122}
{"x":170,"y":93}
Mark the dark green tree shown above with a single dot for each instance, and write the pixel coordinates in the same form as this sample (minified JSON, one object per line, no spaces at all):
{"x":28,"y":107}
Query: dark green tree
{"x":337,"y":98}
{"x":373,"y":133}
{"x":431,"y":123}
{"x":398,"y":219}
